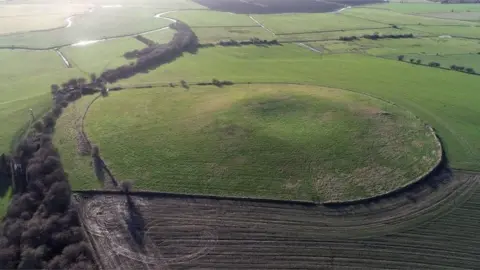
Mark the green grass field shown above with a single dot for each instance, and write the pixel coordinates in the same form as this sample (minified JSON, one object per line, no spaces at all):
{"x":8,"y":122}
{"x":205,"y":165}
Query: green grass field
{"x":278,"y":141}
{"x":200,"y":18}
{"x":294,"y":23}
{"x":390,"y":17}
{"x":423,"y":46}
{"x":98,"y":57}
{"x":162,"y":36}
{"x":427,"y":92}
{"x":209,"y":34}
{"x":425,"y":8}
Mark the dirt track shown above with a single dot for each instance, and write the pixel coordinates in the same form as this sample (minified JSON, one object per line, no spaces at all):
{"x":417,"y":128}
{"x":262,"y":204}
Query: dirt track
{"x":280,"y":6}
{"x":182,"y":233}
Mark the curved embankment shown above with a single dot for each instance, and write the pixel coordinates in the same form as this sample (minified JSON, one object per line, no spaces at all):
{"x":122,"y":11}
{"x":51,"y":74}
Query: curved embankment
{"x":422,"y":176}
{"x":419,"y":229}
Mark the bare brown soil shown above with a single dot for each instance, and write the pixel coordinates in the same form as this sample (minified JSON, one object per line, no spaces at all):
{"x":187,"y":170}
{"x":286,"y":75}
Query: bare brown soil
{"x":280,"y":6}
{"x":180,"y":232}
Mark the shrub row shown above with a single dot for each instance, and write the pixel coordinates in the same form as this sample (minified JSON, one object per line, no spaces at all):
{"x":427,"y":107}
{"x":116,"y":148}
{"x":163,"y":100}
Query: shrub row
{"x":438,"y":65}
{"x":231,"y":42}
{"x":376,"y":36}
{"x":216,"y":82}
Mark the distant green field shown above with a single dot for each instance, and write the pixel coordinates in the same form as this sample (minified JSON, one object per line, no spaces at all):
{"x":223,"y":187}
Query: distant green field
{"x":95,"y":58}
{"x":200,"y":18}
{"x":427,"y":7}
{"x":295,"y":23}
{"x":280,"y":141}
{"x":423,"y":46}
{"x":425,"y":91}
{"x":207,"y":34}
{"x":457,"y":31}
{"x":102,"y":23}
{"x":390,"y":17}
{"x":162,"y":36}
{"x":25,"y":79}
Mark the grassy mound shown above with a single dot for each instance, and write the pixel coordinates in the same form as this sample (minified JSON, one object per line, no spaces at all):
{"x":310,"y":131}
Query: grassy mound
{"x":280,"y":141}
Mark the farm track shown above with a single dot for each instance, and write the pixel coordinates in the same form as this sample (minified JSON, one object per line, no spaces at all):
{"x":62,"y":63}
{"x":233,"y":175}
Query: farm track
{"x":422,"y":228}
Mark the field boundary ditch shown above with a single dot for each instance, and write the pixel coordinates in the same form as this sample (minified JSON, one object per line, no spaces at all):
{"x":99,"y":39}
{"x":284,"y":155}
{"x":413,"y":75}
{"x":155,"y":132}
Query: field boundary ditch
{"x":441,"y":163}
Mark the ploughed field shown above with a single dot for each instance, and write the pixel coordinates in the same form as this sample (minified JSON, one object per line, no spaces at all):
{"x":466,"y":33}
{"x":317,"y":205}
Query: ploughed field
{"x":275,"y":141}
{"x":280,"y":6}
{"x":419,"y":229}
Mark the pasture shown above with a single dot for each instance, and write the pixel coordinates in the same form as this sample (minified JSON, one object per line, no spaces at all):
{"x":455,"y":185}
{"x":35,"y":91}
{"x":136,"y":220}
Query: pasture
{"x":275,"y":141}
{"x":101,"y":56}
{"x":425,"y":91}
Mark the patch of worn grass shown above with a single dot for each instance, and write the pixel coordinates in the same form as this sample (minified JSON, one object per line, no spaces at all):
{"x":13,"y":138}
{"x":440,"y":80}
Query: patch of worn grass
{"x":79,"y":168}
{"x":260,"y":140}
{"x":445,"y":99}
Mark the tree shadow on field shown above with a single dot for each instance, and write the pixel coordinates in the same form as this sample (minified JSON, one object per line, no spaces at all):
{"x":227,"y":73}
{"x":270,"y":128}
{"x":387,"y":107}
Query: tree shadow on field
{"x":5,"y":178}
{"x":135,"y":223}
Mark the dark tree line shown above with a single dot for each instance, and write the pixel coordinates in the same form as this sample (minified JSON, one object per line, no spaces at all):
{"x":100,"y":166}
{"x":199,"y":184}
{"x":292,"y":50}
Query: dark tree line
{"x":151,"y":57}
{"x":376,"y":36}
{"x":462,"y":69}
{"x":252,"y":41}
{"x":41,"y":229}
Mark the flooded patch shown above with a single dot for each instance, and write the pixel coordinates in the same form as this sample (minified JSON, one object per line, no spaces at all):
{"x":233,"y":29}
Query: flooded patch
{"x":85,"y":43}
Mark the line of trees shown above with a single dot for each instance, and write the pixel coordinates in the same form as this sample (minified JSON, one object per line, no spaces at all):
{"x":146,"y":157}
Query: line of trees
{"x":438,"y":65}
{"x":154,"y":56}
{"x":41,"y":229}
{"x":376,"y":36}
{"x":236,"y":43}
{"x":463,"y":69}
